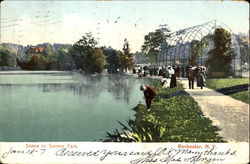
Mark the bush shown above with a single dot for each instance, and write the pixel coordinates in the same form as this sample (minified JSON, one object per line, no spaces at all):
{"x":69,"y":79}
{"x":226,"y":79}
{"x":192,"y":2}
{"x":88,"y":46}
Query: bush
{"x":7,"y":57}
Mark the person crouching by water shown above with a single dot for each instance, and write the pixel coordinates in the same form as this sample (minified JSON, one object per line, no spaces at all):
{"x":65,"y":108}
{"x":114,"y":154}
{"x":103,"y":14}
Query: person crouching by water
{"x":149,"y":94}
{"x":172,"y":76}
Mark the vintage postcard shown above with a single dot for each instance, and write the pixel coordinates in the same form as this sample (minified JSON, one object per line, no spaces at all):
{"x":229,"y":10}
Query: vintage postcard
{"x":124,"y":82}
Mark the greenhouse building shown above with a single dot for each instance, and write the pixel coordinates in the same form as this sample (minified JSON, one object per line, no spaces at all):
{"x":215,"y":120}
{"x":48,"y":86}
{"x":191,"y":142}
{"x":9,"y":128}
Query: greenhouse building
{"x":177,"y":48}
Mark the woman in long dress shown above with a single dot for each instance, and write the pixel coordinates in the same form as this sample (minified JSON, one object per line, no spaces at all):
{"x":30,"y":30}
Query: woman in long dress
{"x":173,"y":77}
{"x":201,"y":78}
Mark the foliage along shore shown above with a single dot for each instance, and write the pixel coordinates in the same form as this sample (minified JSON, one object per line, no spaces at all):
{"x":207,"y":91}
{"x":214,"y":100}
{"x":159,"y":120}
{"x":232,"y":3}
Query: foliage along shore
{"x":174,"y":117}
{"x":84,"y":55}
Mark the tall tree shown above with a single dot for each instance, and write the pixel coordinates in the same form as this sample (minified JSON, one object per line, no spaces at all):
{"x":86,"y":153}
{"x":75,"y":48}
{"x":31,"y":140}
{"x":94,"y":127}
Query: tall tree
{"x":114,"y":59}
{"x":152,"y":44}
{"x":88,"y":57}
{"x":128,"y":57}
{"x":220,"y":56}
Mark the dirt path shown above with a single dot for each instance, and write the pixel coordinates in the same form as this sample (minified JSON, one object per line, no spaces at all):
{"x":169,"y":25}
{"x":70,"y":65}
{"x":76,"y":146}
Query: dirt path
{"x":231,"y":115}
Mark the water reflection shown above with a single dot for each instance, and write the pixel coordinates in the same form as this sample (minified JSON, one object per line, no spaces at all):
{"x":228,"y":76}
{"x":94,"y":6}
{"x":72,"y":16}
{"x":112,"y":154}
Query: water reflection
{"x":65,"y":107}
{"x":120,"y":87}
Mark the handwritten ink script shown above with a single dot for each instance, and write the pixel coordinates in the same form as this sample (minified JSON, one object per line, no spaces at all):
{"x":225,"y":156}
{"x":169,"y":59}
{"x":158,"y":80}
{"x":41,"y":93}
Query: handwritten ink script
{"x":177,"y":153}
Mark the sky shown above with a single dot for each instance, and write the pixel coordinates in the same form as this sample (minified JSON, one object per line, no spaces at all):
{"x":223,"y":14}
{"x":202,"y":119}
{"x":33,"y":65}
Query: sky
{"x":110,"y":22}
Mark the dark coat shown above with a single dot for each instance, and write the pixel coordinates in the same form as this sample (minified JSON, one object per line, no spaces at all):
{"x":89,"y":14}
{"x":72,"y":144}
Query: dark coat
{"x":201,"y":79}
{"x":177,"y":71}
{"x":149,"y":93}
{"x":191,"y":74}
{"x":173,"y":81}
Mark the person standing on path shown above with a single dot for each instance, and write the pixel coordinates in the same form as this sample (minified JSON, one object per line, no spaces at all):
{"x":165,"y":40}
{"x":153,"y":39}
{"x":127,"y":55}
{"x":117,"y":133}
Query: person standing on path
{"x":172,"y":76}
{"x":191,"y":75}
{"x":149,"y":94}
{"x":177,"y":71}
{"x":201,"y":78}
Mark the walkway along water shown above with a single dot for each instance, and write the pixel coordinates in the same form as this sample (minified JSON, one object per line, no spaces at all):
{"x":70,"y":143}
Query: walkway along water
{"x":230,"y":115}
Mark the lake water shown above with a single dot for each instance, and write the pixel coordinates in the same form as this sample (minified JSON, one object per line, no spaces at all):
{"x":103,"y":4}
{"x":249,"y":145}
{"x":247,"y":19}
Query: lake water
{"x":64,"y":106}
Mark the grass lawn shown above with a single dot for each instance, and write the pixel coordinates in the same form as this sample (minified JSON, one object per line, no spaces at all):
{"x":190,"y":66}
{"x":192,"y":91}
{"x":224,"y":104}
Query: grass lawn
{"x":175,"y":119}
{"x":225,"y":82}
{"x":228,"y":82}
{"x":242,"y":96}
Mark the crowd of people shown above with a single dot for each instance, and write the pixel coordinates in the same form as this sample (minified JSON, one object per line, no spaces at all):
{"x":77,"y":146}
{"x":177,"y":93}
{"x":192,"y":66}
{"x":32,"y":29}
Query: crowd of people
{"x":154,"y":70}
{"x":169,"y":75}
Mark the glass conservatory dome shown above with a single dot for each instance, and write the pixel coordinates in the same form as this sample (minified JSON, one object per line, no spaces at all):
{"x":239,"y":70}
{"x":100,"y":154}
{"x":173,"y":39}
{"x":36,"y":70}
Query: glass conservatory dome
{"x":176,"y":48}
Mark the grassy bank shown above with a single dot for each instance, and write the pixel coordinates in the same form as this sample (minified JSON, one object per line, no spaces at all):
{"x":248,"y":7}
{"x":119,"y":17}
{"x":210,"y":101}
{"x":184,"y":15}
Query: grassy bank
{"x":229,"y":82}
{"x":242,"y":96}
{"x":225,"y":82}
{"x":174,"y":117}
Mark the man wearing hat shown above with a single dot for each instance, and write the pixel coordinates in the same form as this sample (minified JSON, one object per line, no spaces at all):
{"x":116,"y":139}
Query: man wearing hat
{"x":149,"y":94}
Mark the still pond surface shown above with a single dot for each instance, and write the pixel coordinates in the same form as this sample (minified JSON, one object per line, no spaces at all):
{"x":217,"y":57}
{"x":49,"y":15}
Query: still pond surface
{"x":65,"y":106}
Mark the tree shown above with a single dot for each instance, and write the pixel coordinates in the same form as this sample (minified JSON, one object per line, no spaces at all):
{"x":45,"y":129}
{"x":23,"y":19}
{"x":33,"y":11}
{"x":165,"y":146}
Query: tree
{"x":87,"y":41}
{"x":81,"y":48}
{"x":37,"y":62}
{"x":244,"y":47}
{"x":51,"y":58}
{"x":88,"y":57}
{"x":114,"y":59}
{"x":27,"y":55}
{"x":220,"y":56}
{"x":7,"y":56}
{"x":195,"y":49}
{"x":95,"y":61}
{"x":47,"y":51}
{"x":64,"y":59}
{"x":128,"y":59}
{"x":152,"y":44}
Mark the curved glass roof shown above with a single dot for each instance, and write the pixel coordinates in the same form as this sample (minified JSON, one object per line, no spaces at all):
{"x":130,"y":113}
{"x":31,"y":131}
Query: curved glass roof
{"x":176,"y":48}
{"x":194,"y":33}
